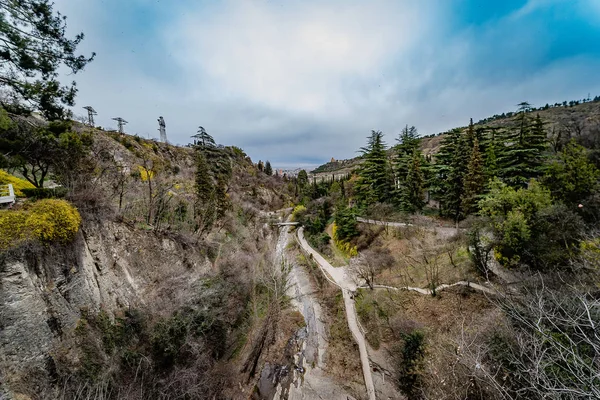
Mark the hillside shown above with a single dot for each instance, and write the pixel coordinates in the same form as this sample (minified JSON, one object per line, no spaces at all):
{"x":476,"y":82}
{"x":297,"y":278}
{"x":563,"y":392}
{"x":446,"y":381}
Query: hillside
{"x":574,"y":120}
{"x":148,"y":293}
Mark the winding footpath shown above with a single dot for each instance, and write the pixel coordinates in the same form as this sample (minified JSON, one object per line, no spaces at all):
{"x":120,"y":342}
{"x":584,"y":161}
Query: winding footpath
{"x":340,"y":278}
{"x":442,"y":231}
{"x":347,"y":283}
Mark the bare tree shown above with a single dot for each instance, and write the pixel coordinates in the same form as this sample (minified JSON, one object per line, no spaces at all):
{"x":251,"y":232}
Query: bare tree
{"x":551,"y":349}
{"x":370,"y":263}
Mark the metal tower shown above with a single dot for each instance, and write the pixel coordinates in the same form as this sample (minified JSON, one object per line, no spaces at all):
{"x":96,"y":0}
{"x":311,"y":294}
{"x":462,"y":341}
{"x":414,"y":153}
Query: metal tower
{"x":162,"y":130}
{"x":121,"y":123}
{"x":91,"y":113}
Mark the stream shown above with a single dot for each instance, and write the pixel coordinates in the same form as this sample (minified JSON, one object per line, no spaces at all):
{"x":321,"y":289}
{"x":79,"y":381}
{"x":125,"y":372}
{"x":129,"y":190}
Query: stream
{"x":305,"y":376}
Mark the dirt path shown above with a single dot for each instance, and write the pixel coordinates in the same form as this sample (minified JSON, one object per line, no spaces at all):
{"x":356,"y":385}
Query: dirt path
{"x":341,"y":279}
{"x":442,"y":231}
{"x":472,"y":285}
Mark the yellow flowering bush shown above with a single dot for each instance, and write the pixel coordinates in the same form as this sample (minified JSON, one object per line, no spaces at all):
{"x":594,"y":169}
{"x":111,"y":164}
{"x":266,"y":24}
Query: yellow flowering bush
{"x":48,"y":220}
{"x":18,"y":183}
{"x":145,"y":173}
{"x":345,"y":247}
{"x":298,"y":213}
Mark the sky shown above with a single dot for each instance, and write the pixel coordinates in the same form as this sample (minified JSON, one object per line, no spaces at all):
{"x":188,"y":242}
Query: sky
{"x":298,"y":82}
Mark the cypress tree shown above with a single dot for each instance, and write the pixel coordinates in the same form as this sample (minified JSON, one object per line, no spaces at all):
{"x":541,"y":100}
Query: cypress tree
{"x":373,"y":184}
{"x":268,"y":168}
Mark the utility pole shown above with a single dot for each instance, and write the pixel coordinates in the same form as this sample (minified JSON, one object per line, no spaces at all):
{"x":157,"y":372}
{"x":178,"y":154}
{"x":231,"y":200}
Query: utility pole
{"x":91,"y":113}
{"x":121,"y":122}
{"x":162,"y":130}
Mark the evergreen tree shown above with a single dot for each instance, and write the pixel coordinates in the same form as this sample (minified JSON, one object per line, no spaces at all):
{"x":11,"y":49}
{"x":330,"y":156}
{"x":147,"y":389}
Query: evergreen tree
{"x":491,"y":155}
{"x":346,"y":223}
{"x":302,"y":181}
{"x":521,"y":158}
{"x":268,"y":168}
{"x":373,"y":184}
{"x":203,"y":139}
{"x":260,"y":166}
{"x":449,"y":172}
{"x":205,"y":195}
{"x":33,"y":49}
{"x":572,"y":177}
{"x":473,"y":181}
{"x":412,"y":189}
{"x":408,"y":142}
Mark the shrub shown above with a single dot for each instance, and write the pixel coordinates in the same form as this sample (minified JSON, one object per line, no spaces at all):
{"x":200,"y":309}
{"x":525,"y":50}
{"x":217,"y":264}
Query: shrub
{"x":298,"y":213}
{"x":53,"y":220}
{"x":45,"y":193}
{"x":411,"y":364}
{"x":18,"y":184}
{"x":46,"y":220}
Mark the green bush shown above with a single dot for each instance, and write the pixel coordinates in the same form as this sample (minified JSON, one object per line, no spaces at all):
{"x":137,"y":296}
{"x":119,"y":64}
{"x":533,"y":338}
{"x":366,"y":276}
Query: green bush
{"x":529,"y":229}
{"x":45,"y":193}
{"x":411,"y":363}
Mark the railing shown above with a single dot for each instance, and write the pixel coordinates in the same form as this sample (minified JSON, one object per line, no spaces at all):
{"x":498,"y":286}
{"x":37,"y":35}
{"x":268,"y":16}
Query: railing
{"x":7,"y":194}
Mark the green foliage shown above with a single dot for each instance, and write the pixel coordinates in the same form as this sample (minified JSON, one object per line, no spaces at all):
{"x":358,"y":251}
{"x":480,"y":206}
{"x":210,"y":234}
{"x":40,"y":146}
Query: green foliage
{"x":204,"y":194}
{"x":299,"y":213}
{"x":268,"y":168}
{"x":449,"y":170}
{"x":202,"y":139}
{"x":521,"y":157}
{"x":473,"y":180}
{"x":45,"y":193}
{"x":571,"y":178}
{"x":346,"y":224}
{"x":34,"y":48}
{"x":374,"y":182}
{"x":411,"y":190}
{"x":37,"y":150}
{"x":18,"y":184}
{"x":45,"y":220}
{"x":528,"y":228}
{"x":411,"y":364}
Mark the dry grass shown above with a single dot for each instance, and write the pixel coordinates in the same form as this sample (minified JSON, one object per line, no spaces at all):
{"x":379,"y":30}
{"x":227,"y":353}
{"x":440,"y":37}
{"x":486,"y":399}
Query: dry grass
{"x":444,"y":319}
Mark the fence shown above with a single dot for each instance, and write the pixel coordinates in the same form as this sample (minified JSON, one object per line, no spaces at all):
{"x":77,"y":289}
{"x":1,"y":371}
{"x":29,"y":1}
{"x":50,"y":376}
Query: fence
{"x":7,"y":194}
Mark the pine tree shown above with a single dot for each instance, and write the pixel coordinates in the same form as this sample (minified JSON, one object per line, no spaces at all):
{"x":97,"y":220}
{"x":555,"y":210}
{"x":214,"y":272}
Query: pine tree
{"x":491,"y":155}
{"x":473,"y":181}
{"x":33,"y":49}
{"x":522,"y":156}
{"x":373,"y":184}
{"x":408,"y":142}
{"x":449,"y":172}
{"x":268,"y":168}
{"x":260,"y":166}
{"x":412,"y":190}
{"x":203,"y":139}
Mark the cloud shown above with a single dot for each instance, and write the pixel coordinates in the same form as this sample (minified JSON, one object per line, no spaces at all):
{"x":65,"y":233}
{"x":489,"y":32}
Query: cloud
{"x":302,"y":81}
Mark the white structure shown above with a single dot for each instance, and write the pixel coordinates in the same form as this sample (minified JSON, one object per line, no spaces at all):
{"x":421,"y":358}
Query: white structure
{"x":162,"y":129}
{"x":7,"y":194}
